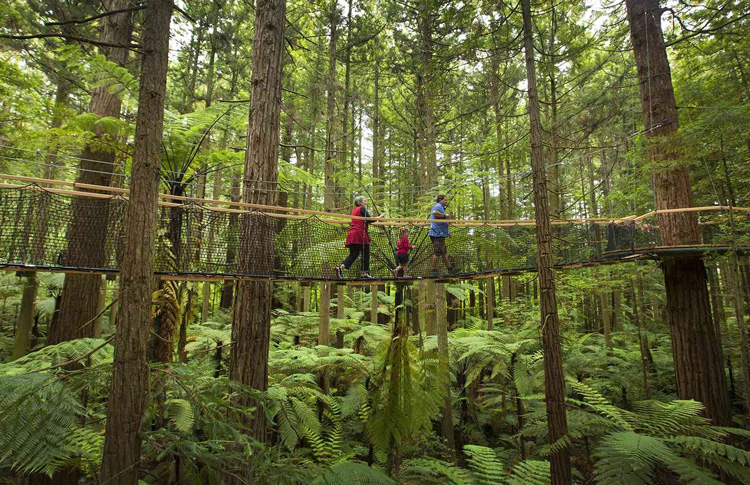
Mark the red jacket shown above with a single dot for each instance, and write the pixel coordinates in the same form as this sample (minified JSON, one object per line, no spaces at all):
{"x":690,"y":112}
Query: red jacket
{"x":403,"y":246}
{"x":358,"y":228}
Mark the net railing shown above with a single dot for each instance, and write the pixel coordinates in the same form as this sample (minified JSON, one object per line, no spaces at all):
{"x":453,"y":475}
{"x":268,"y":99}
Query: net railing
{"x":66,"y":230}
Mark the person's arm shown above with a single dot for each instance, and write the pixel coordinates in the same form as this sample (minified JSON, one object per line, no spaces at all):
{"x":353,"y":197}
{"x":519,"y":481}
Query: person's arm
{"x":439,"y":215}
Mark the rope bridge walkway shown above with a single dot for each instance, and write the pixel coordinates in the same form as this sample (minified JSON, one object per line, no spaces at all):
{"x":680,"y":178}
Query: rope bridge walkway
{"x":50,"y":225}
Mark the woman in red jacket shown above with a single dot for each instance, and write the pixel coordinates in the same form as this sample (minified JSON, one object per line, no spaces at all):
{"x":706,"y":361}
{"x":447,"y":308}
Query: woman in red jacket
{"x":357,"y":239}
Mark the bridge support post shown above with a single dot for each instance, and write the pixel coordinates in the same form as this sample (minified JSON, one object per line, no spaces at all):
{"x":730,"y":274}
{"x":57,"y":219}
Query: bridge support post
{"x":374,"y":304}
{"x":324,"y":330}
{"x":490,"y":300}
{"x":340,"y":301}
{"x":305,"y":297}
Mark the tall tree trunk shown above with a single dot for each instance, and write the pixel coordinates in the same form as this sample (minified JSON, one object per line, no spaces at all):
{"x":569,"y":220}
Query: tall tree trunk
{"x":554,"y":382}
{"x":88,"y":230}
{"x":329,"y":197}
{"x":495,"y":102}
{"x":251,"y":330}
{"x":696,"y":348}
{"x":425,"y":109}
{"x":130,"y":377}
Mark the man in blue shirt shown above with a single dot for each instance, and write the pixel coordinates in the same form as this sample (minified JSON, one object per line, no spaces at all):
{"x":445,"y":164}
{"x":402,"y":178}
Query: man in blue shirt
{"x":438,"y":232}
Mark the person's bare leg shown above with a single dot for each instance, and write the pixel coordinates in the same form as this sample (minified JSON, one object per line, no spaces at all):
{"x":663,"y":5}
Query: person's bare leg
{"x":434,"y":261}
{"x":404,"y":269}
{"x":447,"y":261}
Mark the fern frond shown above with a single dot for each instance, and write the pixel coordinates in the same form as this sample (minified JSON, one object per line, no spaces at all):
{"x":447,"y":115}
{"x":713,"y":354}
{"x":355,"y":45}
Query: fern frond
{"x":486,"y":467}
{"x":353,"y":473}
{"x":530,"y":472}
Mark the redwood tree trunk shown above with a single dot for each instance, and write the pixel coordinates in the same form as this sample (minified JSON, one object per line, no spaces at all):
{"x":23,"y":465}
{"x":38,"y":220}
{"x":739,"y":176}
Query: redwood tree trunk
{"x":251,"y":330}
{"x":554,"y":382}
{"x":130,"y":377}
{"x":696,"y":347}
{"x":88,"y":231}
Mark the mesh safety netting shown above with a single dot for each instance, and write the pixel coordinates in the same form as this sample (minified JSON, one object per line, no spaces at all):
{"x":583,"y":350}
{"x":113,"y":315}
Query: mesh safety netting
{"x":44,"y":229}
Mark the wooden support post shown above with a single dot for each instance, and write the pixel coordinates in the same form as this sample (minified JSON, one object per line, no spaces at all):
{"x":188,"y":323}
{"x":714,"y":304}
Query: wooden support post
{"x":100,"y":307}
{"x":441,"y":312}
{"x":324,"y":332}
{"x":422,"y":306}
{"x":490,"y":299}
{"x":431,"y":326}
{"x":305,"y":297}
{"x":206,"y":301}
{"x":374,"y":304}
{"x":341,"y":302}
{"x":26,"y":317}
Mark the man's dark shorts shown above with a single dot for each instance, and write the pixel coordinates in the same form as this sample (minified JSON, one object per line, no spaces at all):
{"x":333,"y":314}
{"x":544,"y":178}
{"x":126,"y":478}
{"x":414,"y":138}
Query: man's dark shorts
{"x":402,"y":258}
{"x":438,"y":246}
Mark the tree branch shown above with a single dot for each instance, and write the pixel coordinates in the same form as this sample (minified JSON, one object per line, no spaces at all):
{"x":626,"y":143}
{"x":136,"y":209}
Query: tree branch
{"x":132,"y":47}
{"x":96,"y":17}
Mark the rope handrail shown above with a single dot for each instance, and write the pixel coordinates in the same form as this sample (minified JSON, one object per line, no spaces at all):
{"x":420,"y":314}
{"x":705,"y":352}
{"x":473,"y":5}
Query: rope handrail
{"x":330,"y":217}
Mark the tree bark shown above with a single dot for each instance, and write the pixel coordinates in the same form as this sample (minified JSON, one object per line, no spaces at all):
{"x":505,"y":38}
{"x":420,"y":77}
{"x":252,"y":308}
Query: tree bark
{"x":88,"y":229}
{"x":251,"y":330}
{"x":696,"y":347}
{"x":130,"y":377}
{"x":554,"y":381}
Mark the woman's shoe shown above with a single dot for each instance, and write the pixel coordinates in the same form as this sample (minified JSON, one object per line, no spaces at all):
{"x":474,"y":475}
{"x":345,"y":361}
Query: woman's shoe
{"x":339,"y":272}
{"x":367,"y":276}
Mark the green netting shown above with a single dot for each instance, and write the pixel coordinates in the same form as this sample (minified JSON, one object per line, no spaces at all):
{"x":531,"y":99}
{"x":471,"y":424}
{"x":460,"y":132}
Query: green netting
{"x":49,"y":230}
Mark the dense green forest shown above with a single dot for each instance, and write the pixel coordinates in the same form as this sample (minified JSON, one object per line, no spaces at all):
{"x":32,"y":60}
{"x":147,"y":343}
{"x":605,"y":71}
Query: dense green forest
{"x":534,"y":113}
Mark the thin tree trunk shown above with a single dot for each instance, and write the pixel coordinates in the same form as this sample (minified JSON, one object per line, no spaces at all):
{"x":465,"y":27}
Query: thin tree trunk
{"x":130,"y":377}
{"x":251,"y":330}
{"x":329,"y":197}
{"x":696,"y":348}
{"x":554,"y":381}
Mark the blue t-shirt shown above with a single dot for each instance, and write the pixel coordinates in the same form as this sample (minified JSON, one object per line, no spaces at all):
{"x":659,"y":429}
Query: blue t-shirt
{"x":438,"y":229}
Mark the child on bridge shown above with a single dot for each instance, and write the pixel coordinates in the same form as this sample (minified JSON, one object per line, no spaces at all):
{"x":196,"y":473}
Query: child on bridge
{"x":402,"y":252}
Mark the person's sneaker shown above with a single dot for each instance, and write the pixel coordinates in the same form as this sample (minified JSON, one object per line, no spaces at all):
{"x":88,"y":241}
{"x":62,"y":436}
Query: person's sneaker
{"x":367,"y":276}
{"x":339,"y":272}
{"x":452,"y":270}
{"x":434,"y":273}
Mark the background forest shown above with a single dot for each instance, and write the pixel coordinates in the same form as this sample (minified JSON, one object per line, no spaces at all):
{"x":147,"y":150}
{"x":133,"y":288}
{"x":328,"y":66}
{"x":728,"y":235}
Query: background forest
{"x":397,"y":100}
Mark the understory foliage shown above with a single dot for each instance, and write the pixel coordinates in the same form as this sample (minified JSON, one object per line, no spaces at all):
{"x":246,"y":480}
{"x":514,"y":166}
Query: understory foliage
{"x":346,"y":415}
